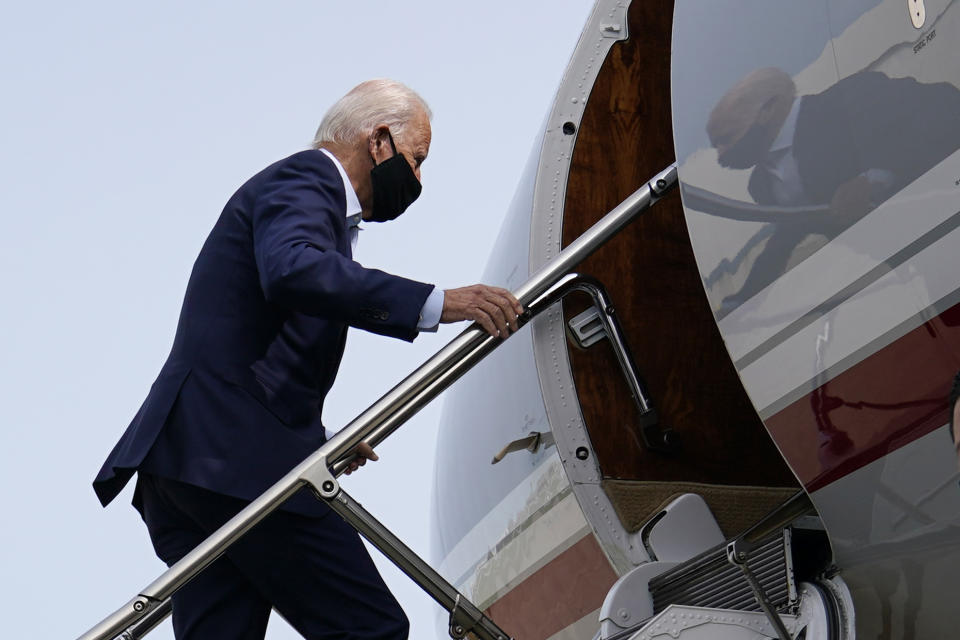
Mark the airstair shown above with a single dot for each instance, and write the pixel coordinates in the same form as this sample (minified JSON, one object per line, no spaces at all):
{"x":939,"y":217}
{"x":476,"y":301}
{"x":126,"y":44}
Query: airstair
{"x":737,"y":589}
{"x":320,"y":470}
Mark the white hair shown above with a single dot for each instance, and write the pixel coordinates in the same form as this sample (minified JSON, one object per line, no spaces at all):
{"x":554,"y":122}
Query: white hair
{"x":370,"y":103}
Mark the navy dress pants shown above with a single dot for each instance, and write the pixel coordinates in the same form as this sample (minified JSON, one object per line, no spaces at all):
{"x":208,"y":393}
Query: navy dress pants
{"x":314,"y":571}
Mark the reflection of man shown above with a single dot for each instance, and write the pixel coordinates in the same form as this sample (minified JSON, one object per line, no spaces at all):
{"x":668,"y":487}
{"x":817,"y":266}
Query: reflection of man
{"x":849,"y":148}
{"x":955,"y":415}
{"x":261,"y":333}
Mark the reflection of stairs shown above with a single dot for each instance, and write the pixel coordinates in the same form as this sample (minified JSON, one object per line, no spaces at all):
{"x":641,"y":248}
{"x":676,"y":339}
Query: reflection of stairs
{"x":710,"y":580}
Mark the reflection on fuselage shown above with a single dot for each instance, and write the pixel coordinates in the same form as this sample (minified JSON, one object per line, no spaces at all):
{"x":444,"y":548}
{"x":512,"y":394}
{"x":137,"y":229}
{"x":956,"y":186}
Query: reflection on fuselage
{"x":823,"y":203}
{"x":847,"y":149}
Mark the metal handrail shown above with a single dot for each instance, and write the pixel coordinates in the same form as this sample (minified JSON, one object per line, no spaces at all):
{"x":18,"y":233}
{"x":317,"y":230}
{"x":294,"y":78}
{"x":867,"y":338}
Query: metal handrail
{"x":382,"y":418}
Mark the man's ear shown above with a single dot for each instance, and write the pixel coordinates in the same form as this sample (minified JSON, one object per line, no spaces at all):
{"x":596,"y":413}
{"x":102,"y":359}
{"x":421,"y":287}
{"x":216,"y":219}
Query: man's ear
{"x":956,"y":424}
{"x":378,"y":143}
{"x":775,"y":110}
{"x":767,"y":111}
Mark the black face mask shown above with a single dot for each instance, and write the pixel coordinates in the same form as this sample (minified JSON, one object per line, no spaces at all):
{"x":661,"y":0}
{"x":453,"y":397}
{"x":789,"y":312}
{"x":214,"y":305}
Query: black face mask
{"x":395,"y":186}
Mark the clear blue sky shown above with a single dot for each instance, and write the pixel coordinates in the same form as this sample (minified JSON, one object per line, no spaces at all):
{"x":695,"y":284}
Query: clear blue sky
{"x":124,"y":127}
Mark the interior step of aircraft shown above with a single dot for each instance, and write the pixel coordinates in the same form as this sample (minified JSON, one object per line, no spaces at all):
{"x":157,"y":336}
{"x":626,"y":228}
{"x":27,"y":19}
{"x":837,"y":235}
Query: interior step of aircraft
{"x":700,"y":585}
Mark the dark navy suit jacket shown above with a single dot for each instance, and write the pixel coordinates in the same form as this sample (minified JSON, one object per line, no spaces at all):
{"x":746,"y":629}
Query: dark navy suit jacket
{"x":260,"y":337}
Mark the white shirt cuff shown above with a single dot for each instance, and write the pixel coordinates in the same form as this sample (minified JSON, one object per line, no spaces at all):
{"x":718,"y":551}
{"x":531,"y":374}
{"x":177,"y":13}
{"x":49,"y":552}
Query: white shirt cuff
{"x":431,"y":311}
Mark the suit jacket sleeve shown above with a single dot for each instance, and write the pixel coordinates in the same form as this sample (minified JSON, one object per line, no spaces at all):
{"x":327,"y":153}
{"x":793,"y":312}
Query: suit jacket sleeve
{"x":299,"y":231}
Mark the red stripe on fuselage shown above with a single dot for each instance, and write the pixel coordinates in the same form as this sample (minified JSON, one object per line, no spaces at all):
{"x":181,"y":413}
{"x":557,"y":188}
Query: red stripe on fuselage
{"x":558,"y":594}
{"x":882,"y":403}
